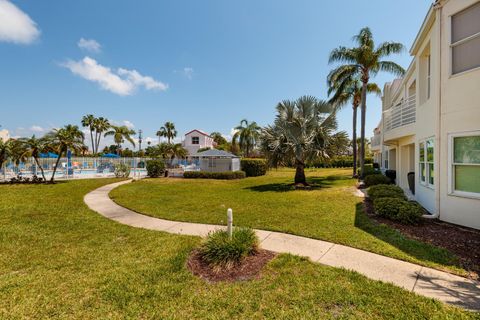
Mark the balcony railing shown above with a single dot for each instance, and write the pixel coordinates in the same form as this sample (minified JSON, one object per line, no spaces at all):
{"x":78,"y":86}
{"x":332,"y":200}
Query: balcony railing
{"x":375,"y":141}
{"x":400,"y":115}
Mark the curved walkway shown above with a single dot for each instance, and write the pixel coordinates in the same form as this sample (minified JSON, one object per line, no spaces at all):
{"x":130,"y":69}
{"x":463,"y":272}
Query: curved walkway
{"x":421,"y":280}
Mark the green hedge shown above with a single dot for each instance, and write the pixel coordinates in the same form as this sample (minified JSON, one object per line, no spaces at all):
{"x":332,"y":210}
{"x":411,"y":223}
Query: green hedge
{"x":338,"y":162}
{"x":374,"y":179}
{"x":406,"y":212}
{"x":155,"y":168}
{"x":385,"y":191}
{"x":229,"y":175}
{"x":254,"y":167}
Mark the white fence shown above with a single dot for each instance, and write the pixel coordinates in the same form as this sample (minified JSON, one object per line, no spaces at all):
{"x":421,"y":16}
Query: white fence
{"x":400,"y":115}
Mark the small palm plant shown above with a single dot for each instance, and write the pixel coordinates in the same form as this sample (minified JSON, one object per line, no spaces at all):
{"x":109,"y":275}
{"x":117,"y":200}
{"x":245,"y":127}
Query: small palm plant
{"x":35,"y":146}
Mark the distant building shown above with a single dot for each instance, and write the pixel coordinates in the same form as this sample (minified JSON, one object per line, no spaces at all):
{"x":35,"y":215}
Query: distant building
{"x":4,"y":135}
{"x":197,"y":139}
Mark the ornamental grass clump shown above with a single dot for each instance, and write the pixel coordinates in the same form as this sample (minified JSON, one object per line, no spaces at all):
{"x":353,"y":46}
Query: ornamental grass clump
{"x":221,"y":251}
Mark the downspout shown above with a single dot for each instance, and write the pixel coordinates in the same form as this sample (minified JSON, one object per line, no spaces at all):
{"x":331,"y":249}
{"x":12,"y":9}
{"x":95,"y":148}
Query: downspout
{"x":436,"y":215}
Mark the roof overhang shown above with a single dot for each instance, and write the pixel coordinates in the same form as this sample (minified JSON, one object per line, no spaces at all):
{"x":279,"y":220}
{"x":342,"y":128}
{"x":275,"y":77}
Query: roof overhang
{"x":426,"y":26}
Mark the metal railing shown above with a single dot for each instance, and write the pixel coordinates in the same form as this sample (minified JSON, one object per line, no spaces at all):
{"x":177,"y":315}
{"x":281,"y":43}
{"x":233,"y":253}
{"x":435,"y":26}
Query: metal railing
{"x":375,"y":141}
{"x":400,"y":115}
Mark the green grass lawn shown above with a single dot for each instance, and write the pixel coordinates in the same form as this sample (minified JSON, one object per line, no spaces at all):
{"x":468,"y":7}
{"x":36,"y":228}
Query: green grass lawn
{"x":60,"y":260}
{"x":330,"y":212}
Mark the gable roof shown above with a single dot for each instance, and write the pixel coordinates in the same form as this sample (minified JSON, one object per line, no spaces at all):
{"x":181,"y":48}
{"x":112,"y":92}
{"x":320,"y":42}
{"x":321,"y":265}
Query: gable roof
{"x":199,"y":131}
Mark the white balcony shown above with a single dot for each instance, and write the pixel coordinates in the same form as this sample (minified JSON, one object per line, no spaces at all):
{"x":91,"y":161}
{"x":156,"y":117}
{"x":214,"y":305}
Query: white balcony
{"x":400,"y":115}
{"x":375,"y":142}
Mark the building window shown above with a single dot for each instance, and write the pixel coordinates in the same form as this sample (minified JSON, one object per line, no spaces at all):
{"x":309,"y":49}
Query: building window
{"x":385,"y":161}
{"x":195,"y":140}
{"x":466,"y":39}
{"x":426,"y":150}
{"x":466,"y":165}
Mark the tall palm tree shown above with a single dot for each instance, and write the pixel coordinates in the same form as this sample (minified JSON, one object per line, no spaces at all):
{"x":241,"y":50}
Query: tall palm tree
{"x":247,"y":134}
{"x":101,"y":125}
{"x":167,"y":131}
{"x":70,"y":137}
{"x":349,"y":90}
{"x":302,"y":131}
{"x":89,"y":121}
{"x":365,"y":61}
{"x":120,"y":134}
{"x":35,"y":146}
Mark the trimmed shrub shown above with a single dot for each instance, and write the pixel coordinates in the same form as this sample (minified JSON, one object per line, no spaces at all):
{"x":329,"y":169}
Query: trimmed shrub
{"x":254,"y":167}
{"x":369,"y":170}
{"x":374,"y":179}
{"x":229,"y":175}
{"x":385,"y":191}
{"x":221,"y":251}
{"x":122,"y":170}
{"x":155,"y":168}
{"x":406,"y":212}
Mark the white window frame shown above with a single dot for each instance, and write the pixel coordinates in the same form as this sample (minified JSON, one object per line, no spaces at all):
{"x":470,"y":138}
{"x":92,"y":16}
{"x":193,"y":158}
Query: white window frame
{"x":426,"y":183}
{"x":459,"y":42}
{"x":451,"y":165}
{"x":198,"y":139}
{"x":386,"y":159}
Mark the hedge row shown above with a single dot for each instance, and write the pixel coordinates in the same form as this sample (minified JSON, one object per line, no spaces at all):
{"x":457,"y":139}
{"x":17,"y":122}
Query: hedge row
{"x":338,"y":162}
{"x":406,"y":212}
{"x":229,"y":175}
{"x":254,"y":167}
{"x":385,"y":191}
{"x":374,"y":179}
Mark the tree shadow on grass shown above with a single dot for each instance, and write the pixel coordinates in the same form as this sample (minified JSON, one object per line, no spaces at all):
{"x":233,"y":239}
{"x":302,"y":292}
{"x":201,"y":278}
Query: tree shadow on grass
{"x":315,"y":183}
{"x":417,"y":249}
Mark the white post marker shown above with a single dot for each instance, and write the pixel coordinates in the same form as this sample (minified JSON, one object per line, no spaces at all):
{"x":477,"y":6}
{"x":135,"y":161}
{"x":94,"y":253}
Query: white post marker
{"x":229,"y":222}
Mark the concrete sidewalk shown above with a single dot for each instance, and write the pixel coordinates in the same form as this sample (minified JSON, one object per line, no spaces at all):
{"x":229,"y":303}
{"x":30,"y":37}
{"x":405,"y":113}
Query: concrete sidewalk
{"x":421,"y":280}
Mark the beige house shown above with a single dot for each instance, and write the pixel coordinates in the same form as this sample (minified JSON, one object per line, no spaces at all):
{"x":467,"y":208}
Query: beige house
{"x":197,"y":139}
{"x":430,"y":125}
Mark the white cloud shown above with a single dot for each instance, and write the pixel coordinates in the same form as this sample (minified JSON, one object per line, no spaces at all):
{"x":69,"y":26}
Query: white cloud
{"x":128,"y":124}
{"x":89,"y":45}
{"x":15,"y":25}
{"x":188,"y":72}
{"x":36,"y":128}
{"x":122,"y":81}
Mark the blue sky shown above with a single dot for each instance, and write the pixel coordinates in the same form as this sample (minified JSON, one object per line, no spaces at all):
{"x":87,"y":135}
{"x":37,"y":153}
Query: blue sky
{"x":201,"y":64}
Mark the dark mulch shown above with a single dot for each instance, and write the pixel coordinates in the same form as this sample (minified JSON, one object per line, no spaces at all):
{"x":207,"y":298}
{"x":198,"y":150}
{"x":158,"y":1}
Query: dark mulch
{"x":249,"y":268}
{"x":462,"y":241}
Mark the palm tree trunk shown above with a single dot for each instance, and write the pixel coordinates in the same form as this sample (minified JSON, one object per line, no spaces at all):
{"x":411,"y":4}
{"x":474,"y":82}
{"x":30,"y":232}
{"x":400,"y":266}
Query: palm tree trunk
{"x":300,"y":173}
{"x":56,"y":166}
{"x":91,"y":140}
{"x":362,"y":125}
{"x":354,"y":142}
{"x":41,"y":169}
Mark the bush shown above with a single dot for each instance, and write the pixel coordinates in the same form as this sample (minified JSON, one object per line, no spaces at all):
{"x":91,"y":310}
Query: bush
{"x":406,"y":212}
{"x":369,"y":170}
{"x":122,"y":170}
{"x":220,"y":251}
{"x":385,"y":191}
{"x":254,"y":167}
{"x":374,"y":179}
{"x":155,"y":168}
{"x":229,"y":175}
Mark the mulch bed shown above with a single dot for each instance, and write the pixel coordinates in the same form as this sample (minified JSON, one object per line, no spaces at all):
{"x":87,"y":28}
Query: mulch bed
{"x":249,"y":268}
{"x":462,"y":241}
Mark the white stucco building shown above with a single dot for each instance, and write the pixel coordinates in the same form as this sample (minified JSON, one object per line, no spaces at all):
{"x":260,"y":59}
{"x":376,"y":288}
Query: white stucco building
{"x":431,"y":117}
{"x":4,"y":135}
{"x":197,"y":139}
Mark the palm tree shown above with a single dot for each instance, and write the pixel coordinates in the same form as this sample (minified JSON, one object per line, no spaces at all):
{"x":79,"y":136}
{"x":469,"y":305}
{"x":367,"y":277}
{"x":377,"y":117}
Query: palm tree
{"x":247,"y":135}
{"x":347,"y":90}
{"x":167,"y":131}
{"x":303,"y":131}
{"x":89,"y":121}
{"x":101,"y":125}
{"x":365,"y":61}
{"x":61,"y":140}
{"x":35,"y":146}
{"x":218,"y":138}
{"x":120,"y":134}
